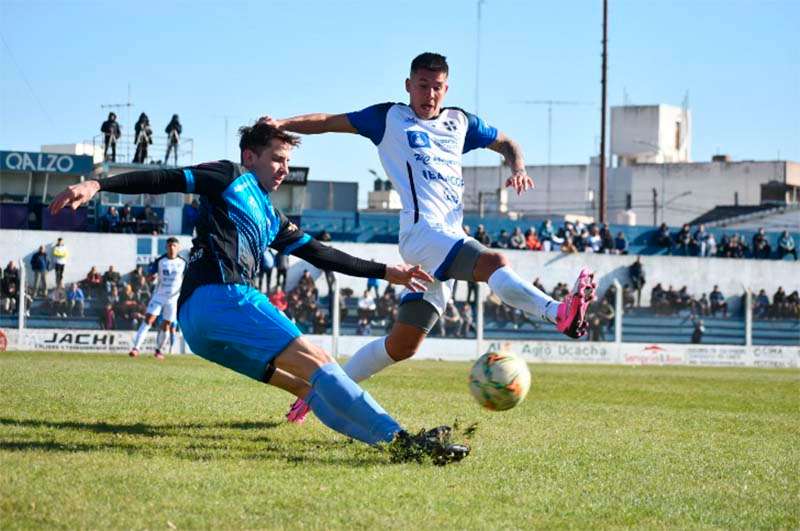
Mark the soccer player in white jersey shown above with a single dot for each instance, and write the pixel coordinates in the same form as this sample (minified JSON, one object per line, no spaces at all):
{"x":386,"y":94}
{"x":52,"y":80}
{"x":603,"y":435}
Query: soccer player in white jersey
{"x":170,"y":268}
{"x":420,"y":146}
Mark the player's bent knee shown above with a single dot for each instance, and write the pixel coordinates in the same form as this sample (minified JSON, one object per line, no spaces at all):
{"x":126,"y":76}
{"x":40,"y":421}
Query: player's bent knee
{"x":301,"y":359}
{"x":405,"y":338}
{"x":488,"y":263}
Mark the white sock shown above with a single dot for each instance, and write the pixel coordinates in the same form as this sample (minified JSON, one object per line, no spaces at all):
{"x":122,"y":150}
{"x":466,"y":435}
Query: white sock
{"x":138,"y":339}
{"x":370,"y":359}
{"x":161,"y":337}
{"x":523,"y":295}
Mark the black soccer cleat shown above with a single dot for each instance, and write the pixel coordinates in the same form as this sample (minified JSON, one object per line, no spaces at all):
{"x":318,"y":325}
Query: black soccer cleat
{"x":434,"y":444}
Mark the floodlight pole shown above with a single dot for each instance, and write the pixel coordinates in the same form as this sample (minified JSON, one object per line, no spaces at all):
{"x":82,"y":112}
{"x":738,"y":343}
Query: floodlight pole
{"x":603,"y":104}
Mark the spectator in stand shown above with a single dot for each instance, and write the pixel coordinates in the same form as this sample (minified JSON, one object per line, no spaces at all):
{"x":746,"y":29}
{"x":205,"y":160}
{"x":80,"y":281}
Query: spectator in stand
{"x":609,"y":245}
{"x":139,"y":285}
{"x":467,"y":321}
{"x":538,"y":285}
{"x":57,"y":302}
{"x":786,"y":245}
{"x":761,"y":247}
{"x":450,"y":322}
{"x":620,"y":244}
{"x":702,"y":306}
{"x":793,"y":306}
{"x":502,"y":240}
{"x":281,"y":266}
{"x":532,"y":241}
{"x":173,"y":130}
{"x":151,"y":224}
{"x":717,"y":301}
{"x":659,"y":300}
{"x":600,"y":319}
{"x":112,"y":297}
{"x":60,"y":257}
{"x":111,"y":133}
{"x":364,"y":327}
{"x":560,"y":290}
{"x":684,"y":301}
{"x":129,"y":309}
{"x":267,"y":264}
{"x":761,"y":308}
{"x":663,"y":238}
{"x":683,"y":240}
{"x":366,"y":306}
{"x":40,"y":264}
{"x":75,"y":300}
{"x":385,"y":305}
{"x":568,"y":246}
{"x":10,"y":288}
{"x":628,"y":296}
{"x":492,"y":308}
{"x":699,"y":330}
{"x":711,"y":245}
{"x":700,"y":241}
{"x":143,"y":138}
{"x":278,"y":298}
{"x":594,"y":242}
{"x":109,"y":319}
{"x":320,"y":324}
{"x":111,"y":278}
{"x":93,"y":283}
{"x":547,"y":235}
{"x":482,"y":236}
{"x":324,"y":236}
{"x":779,"y":304}
{"x":110,"y":221}
{"x":636,"y":274}
{"x":127,"y":221}
{"x":307,"y":285}
{"x":517,"y":240}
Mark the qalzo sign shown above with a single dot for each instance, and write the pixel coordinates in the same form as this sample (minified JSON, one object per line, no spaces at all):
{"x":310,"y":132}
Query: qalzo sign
{"x":45,"y":162}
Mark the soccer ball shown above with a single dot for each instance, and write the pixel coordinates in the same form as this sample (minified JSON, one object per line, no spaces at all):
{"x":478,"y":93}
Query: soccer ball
{"x":499,"y":381}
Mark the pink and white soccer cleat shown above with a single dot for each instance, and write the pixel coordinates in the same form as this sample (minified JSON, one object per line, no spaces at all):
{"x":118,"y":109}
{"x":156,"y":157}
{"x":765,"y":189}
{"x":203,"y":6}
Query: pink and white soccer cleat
{"x":298,"y":412}
{"x":159,"y":355}
{"x":571,"y":319}
{"x":134,"y":353}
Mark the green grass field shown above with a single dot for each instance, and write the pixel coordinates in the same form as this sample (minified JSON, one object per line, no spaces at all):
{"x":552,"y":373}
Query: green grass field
{"x":102,"y":441}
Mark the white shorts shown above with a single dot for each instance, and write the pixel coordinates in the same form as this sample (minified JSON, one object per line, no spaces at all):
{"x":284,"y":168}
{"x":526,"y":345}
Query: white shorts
{"x":434,"y":247}
{"x":166,"y":308}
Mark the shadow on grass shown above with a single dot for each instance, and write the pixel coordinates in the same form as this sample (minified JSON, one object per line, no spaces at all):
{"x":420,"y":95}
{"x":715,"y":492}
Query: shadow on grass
{"x":191,"y":441}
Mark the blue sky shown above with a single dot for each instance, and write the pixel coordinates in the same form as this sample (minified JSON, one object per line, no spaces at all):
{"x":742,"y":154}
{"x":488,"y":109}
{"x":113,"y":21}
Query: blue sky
{"x":739,"y":60}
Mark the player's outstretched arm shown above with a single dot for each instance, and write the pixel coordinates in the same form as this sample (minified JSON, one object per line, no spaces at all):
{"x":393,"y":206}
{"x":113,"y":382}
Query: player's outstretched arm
{"x":75,"y":196}
{"x":330,"y":259}
{"x":512,"y":152}
{"x":312,"y":124}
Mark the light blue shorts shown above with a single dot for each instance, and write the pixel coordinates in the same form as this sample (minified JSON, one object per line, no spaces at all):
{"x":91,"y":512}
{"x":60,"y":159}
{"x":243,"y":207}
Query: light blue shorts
{"x":235,"y":326}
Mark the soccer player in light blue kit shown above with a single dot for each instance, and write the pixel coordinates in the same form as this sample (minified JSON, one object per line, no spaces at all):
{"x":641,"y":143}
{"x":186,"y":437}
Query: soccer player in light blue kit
{"x":225,"y":319}
{"x":420,"y":146}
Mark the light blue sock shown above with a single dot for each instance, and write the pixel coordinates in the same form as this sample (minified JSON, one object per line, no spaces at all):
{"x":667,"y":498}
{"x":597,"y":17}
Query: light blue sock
{"x":328,"y":416}
{"x":345,"y":397}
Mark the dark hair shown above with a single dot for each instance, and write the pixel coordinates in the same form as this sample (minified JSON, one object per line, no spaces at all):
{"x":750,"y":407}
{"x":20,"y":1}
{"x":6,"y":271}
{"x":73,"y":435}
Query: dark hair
{"x":430,"y":61}
{"x":258,"y":136}
{"x":172,"y":239}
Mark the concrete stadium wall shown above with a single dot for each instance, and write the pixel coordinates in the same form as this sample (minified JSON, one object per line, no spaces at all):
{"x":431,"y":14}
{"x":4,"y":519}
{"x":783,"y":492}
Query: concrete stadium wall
{"x":460,"y":349}
{"x":698,"y":274}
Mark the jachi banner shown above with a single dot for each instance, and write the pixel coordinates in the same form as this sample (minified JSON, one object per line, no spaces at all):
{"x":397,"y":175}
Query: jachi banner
{"x":45,"y":162}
